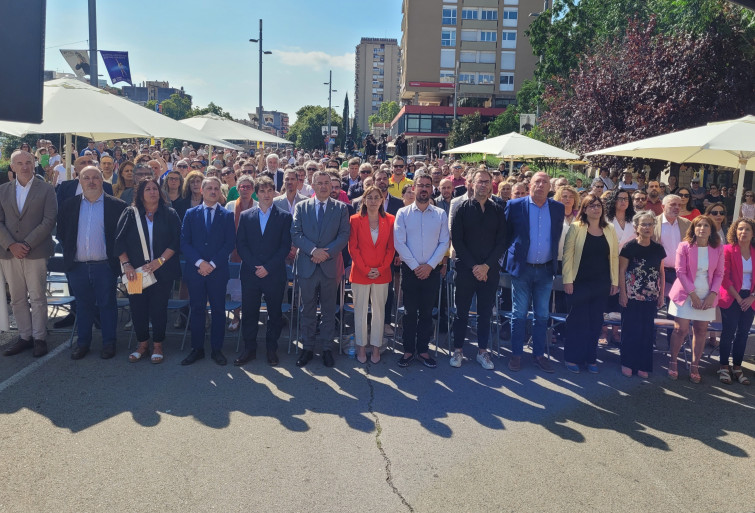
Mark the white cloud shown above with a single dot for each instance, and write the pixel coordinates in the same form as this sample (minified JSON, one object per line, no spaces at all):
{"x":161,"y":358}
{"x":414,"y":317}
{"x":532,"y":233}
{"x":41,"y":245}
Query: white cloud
{"x":316,"y":60}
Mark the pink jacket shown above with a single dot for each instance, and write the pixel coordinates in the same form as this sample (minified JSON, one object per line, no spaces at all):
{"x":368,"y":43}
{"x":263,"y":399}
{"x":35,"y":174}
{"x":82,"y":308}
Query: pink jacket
{"x":686,"y":268}
{"x":733,"y":275}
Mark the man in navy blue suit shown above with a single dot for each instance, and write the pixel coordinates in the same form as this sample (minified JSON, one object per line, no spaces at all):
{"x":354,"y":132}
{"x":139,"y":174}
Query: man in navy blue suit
{"x":263,"y":241}
{"x":534,"y":224}
{"x":208,"y":236}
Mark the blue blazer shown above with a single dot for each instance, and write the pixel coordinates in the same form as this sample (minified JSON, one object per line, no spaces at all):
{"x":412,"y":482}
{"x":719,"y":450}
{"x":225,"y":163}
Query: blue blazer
{"x":196,"y":244}
{"x":518,"y":230}
{"x":268,"y":250}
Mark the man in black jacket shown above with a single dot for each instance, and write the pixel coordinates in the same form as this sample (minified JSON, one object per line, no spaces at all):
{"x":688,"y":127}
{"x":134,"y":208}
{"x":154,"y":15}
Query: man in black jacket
{"x":86,"y":227}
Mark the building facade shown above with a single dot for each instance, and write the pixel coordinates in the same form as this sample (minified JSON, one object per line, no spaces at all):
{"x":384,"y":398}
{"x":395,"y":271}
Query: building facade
{"x":478,"y":45}
{"x":376,"y":77}
{"x":150,"y":90}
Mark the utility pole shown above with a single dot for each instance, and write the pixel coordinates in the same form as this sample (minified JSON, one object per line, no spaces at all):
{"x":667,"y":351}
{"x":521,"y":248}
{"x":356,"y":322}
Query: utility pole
{"x":93,"y":43}
{"x":329,"y":83}
{"x":259,"y":41}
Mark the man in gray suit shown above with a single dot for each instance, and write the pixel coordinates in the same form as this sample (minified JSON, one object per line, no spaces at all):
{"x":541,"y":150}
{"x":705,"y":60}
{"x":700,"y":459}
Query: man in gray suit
{"x":28,"y":212}
{"x":320,"y":231}
{"x":290,"y":197}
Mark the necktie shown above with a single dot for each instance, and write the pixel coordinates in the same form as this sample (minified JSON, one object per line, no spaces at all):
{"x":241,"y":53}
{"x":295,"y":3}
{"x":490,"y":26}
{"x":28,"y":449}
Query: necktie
{"x":320,"y":215}
{"x":208,"y":219}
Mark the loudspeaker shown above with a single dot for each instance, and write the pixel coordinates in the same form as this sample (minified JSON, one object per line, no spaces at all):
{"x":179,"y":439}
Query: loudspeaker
{"x":22,"y":39}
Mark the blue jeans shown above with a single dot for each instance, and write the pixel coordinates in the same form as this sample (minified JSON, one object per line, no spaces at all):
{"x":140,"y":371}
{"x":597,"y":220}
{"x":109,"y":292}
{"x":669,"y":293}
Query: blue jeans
{"x":94,"y":286}
{"x":532,"y":287}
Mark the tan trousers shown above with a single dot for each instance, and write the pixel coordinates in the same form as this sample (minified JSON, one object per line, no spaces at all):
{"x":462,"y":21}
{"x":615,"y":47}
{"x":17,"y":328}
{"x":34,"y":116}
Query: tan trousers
{"x":27,"y":281}
{"x":363,"y":296}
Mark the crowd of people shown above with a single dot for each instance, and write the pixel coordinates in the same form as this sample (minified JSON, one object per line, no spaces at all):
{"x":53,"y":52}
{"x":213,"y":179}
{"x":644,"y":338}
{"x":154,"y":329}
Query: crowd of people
{"x":151,"y":222}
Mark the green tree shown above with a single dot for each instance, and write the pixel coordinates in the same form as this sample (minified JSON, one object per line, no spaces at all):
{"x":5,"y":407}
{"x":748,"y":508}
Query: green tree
{"x":306,"y":132}
{"x":176,"y":106}
{"x":526,"y":103}
{"x":465,"y":130}
{"x":385,"y":114}
{"x":210,"y":109}
{"x":356,"y":133}
{"x":345,"y":118}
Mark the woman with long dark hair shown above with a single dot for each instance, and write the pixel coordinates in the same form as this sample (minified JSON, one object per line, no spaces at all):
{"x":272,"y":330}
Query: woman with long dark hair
{"x":688,"y":211}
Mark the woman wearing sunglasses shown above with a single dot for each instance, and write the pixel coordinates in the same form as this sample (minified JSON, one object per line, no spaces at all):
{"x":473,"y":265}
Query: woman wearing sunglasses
{"x":748,"y":206}
{"x":688,"y":211}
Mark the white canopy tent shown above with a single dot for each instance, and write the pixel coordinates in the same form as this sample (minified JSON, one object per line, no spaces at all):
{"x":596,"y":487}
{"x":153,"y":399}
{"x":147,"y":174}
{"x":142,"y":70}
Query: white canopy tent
{"x":223,"y":128}
{"x":514,"y":146}
{"x":73,"y":107}
{"x":722,"y":143}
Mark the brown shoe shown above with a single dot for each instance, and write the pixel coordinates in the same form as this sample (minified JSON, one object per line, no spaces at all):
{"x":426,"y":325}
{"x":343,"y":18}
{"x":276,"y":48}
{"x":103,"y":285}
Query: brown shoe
{"x":515,"y":364}
{"x":19,"y":346}
{"x":544,"y":364}
{"x":40,"y":348}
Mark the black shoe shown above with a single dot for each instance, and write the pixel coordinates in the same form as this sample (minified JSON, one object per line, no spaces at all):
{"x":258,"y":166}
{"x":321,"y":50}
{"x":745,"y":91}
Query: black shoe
{"x":304,"y":358}
{"x":218,"y":356}
{"x":79,"y":352}
{"x":404,"y":361}
{"x":196,"y":354}
{"x":107,"y":352}
{"x":19,"y":346}
{"x":428,"y":362}
{"x":272,"y":358}
{"x":66,"y":321}
{"x":327,"y":358}
{"x":40,"y":348}
{"x":247,"y":356}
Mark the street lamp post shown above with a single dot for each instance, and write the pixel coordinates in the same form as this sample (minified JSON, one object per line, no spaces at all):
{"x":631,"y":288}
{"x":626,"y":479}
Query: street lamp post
{"x":259,"y":41}
{"x":329,"y":83}
{"x":540,"y":60}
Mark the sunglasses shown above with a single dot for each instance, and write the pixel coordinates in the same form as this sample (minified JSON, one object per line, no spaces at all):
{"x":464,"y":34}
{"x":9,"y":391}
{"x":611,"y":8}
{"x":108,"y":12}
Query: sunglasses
{"x":716,"y":212}
{"x":196,"y":167}
{"x":683,"y":195}
{"x":365,"y":173}
{"x":398,"y":167}
{"x":311,"y":169}
{"x":182,"y":166}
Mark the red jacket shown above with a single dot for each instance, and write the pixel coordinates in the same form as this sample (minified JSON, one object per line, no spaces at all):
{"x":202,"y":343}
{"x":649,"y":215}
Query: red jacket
{"x":733,"y":275}
{"x":365,"y":254}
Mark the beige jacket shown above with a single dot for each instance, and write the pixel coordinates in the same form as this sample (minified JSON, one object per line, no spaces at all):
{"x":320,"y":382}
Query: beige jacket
{"x":33,"y":225}
{"x":575,"y":243}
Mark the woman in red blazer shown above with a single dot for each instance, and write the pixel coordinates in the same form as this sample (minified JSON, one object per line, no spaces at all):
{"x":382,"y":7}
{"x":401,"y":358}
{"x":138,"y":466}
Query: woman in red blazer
{"x":736,"y":299}
{"x":371,"y":249}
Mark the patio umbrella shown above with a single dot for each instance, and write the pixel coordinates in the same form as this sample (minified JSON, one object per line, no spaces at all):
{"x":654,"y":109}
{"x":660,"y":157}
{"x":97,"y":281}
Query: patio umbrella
{"x":515,"y":146}
{"x":223,"y":128}
{"x":74,"y":107}
{"x":722,"y":143}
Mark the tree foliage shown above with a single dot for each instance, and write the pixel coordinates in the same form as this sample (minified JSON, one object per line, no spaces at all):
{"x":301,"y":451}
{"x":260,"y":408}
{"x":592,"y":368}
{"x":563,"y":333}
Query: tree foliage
{"x":526,"y":103}
{"x":648,"y":83}
{"x":465,"y":130}
{"x":210,"y":109}
{"x":356,"y":133}
{"x":385,"y":114}
{"x":306,"y":132}
{"x":179,"y":106}
{"x":345,"y":121}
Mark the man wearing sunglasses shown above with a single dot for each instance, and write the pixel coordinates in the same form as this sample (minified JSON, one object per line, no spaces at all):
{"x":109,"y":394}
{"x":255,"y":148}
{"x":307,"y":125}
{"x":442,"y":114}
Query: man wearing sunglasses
{"x":398,"y":180}
{"x":357,"y":190}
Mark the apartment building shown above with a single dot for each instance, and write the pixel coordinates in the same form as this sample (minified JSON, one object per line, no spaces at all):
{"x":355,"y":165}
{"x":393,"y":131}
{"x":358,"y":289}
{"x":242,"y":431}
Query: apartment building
{"x":376,"y":77}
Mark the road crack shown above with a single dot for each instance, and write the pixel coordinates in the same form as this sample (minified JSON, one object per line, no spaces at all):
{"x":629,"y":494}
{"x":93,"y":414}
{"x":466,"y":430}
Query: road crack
{"x":379,"y":443}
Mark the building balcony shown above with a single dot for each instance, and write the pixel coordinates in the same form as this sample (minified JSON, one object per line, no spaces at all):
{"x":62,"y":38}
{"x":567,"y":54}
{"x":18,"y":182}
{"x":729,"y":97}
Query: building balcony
{"x":477,"y":89}
{"x":479,"y":45}
{"x":477,"y":66}
{"x":480,"y":3}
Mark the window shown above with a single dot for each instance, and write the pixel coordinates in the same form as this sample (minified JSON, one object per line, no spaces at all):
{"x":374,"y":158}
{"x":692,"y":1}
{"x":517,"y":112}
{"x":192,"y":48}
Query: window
{"x":448,"y":37}
{"x":469,"y":35}
{"x":506,"y":82}
{"x":485,"y":79}
{"x":449,"y":16}
{"x":510,"y":2}
{"x":469,"y":14}
{"x":510,"y":15}
{"x":508,"y":60}
{"x":466,"y":78}
{"x":508,"y":39}
{"x":487,"y":36}
{"x":447,"y":76}
{"x":487,"y":57}
{"x":412,"y":123}
{"x":489,"y":14}
{"x":447,"y":58}
{"x":468,"y":57}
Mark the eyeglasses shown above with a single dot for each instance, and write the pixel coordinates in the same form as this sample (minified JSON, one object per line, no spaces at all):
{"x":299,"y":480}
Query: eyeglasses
{"x":365,"y":173}
{"x":196,"y":167}
{"x":182,"y":166}
{"x":647,"y":225}
{"x":244,"y":187}
{"x":595,"y":205}
{"x":398,"y":166}
{"x":311,"y":169}
{"x":683,"y":195}
{"x":717,"y":212}
{"x":622,"y":199}
{"x":748,"y":195}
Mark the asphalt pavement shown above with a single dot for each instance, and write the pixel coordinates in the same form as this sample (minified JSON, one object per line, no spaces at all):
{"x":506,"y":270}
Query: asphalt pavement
{"x":111,"y":436}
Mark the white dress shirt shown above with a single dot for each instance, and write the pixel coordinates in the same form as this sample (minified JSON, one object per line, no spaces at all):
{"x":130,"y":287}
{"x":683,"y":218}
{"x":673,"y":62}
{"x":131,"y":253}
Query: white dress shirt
{"x":22,"y":191}
{"x":671,"y":237}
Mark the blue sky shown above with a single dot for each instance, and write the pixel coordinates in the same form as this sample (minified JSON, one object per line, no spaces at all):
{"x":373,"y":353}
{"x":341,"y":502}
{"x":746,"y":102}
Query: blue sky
{"x":203,"y":45}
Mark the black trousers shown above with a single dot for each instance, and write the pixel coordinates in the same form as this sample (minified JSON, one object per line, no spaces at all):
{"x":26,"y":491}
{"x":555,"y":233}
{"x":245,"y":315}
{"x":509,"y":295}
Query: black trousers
{"x":584,"y":321}
{"x":252,"y":290}
{"x":151,"y":306}
{"x":669,"y":274}
{"x":638,"y":335}
{"x":419,"y":298}
{"x":736,"y":328}
{"x":466,"y":287}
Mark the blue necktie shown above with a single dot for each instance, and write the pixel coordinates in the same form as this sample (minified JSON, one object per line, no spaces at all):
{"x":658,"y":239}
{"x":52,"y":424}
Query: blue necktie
{"x":320,"y":216}
{"x":208,"y":219}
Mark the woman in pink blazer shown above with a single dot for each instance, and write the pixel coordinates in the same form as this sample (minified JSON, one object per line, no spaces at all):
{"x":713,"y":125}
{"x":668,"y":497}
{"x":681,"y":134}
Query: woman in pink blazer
{"x":736,"y":299}
{"x":694,"y":295}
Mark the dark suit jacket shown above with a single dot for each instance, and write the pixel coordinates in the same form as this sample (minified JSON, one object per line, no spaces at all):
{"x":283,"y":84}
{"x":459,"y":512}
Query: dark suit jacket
{"x":518,"y":231}
{"x":215,"y":247}
{"x":68,"y":229}
{"x":67,"y":190}
{"x":333,"y":236}
{"x":166,"y":234}
{"x":461,"y":190}
{"x":346,"y":184}
{"x":355,"y":191}
{"x":268,"y":250}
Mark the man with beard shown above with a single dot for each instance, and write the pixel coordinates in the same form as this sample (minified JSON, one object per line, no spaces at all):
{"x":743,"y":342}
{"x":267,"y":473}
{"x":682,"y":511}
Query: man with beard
{"x":654,"y":202}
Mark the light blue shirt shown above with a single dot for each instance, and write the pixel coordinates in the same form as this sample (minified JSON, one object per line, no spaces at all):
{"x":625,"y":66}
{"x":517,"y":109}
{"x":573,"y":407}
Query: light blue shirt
{"x":90,"y":239}
{"x":264,"y":218}
{"x":539,"y":251}
{"x":421,"y":237}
